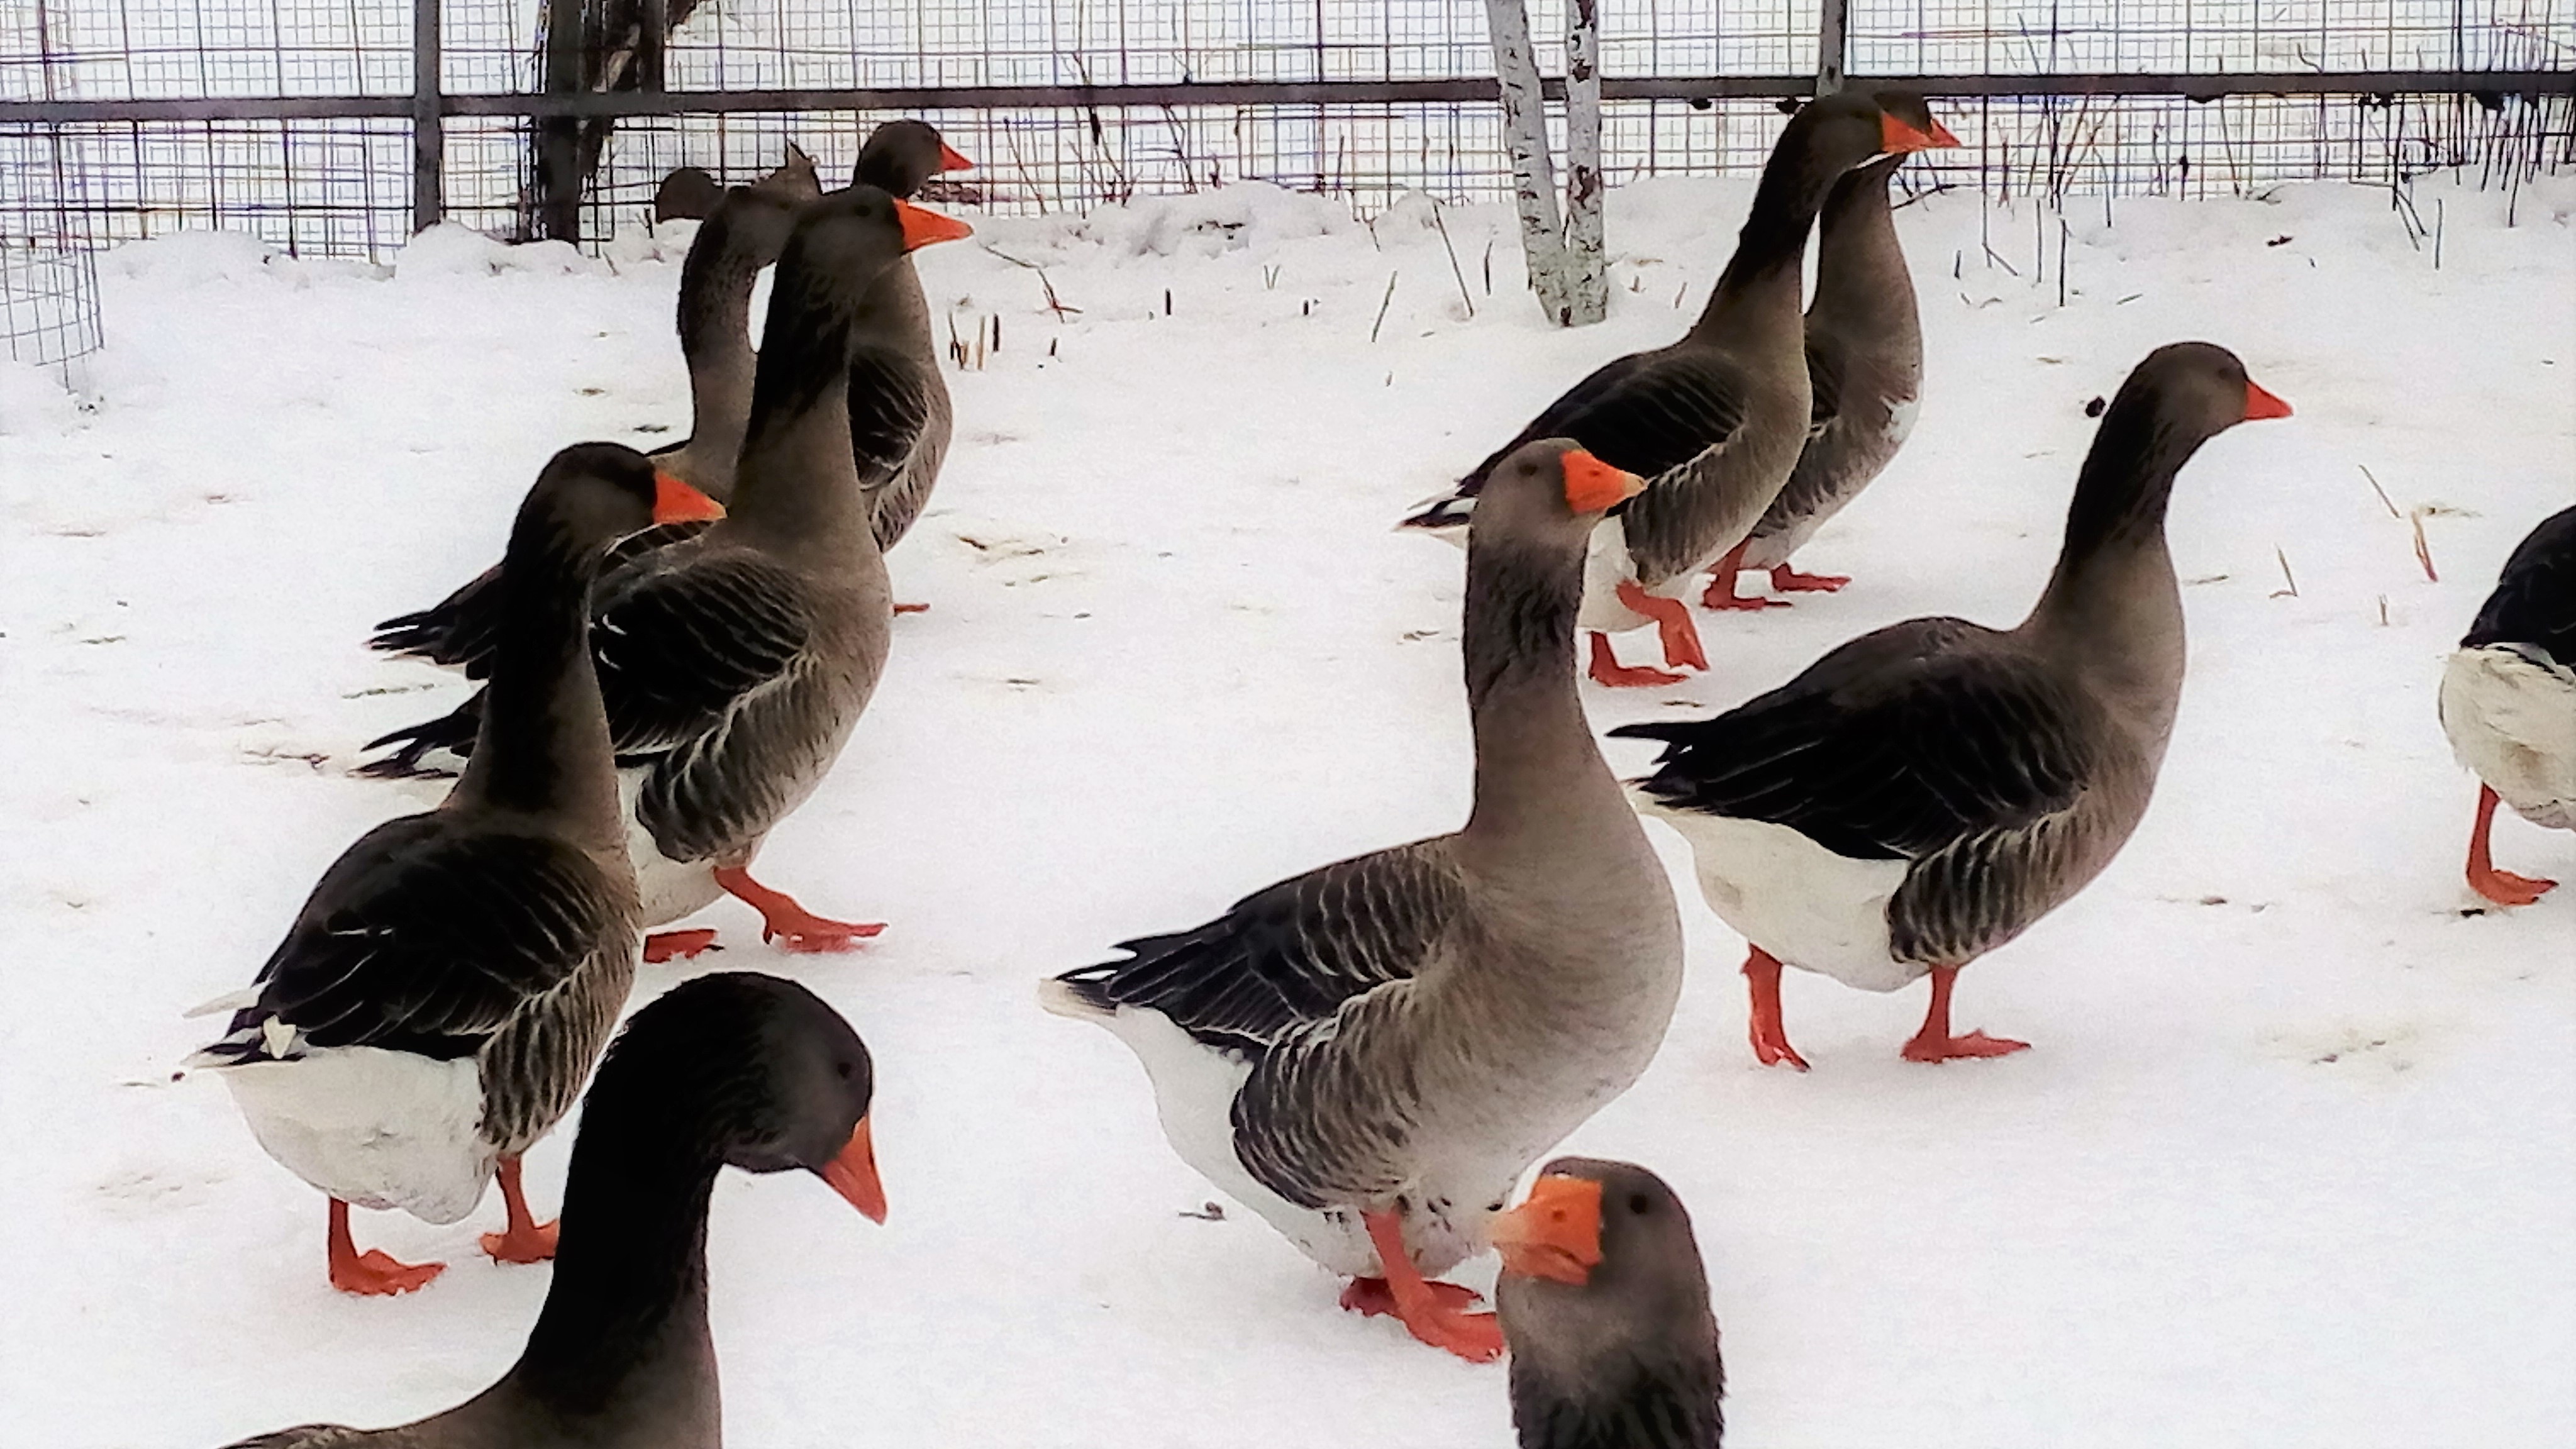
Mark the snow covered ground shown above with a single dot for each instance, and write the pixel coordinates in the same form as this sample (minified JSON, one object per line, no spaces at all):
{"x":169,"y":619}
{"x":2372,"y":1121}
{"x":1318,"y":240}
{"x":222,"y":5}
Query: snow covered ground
{"x":2289,"y":1165}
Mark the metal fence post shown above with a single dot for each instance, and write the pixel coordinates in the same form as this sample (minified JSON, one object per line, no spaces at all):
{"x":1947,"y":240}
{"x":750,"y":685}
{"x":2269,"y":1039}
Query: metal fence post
{"x":1833,"y":19}
{"x":558,"y":158}
{"x":428,"y":121}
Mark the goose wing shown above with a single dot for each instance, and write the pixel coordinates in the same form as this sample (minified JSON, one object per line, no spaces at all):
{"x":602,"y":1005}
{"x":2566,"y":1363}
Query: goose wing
{"x":1289,"y":955}
{"x":2535,"y":595}
{"x":460,"y":630}
{"x":682,"y":641}
{"x":426,"y":939}
{"x":1648,"y":413}
{"x":1893,"y":746}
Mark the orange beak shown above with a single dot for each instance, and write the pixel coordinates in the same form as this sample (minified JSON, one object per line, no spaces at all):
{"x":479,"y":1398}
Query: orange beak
{"x":1896,"y":137}
{"x":2260,"y":404}
{"x":952,"y":159}
{"x":922,"y":226}
{"x":1555,"y":1234}
{"x":1592,"y":486}
{"x":853,"y":1174}
{"x":677,"y":502}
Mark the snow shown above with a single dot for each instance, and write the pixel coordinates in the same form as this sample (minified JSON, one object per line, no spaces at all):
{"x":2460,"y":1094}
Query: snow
{"x":2288,"y":1166}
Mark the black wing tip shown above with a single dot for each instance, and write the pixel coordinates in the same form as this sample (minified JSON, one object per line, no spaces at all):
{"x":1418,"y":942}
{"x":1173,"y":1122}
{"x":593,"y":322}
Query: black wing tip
{"x":423,"y":634}
{"x":1666,"y":732}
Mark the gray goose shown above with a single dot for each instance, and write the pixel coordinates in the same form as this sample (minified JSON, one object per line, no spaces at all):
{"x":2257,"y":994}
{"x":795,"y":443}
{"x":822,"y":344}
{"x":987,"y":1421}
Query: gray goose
{"x":1922,"y":794}
{"x":450,"y":980}
{"x":735,"y":663}
{"x":731,"y":1070}
{"x":1604,"y":1303}
{"x":740,"y":236}
{"x":1367,"y":1055}
{"x":900,"y":415}
{"x":2508,"y":701}
{"x":1715,"y":421}
{"x":1864,"y":365}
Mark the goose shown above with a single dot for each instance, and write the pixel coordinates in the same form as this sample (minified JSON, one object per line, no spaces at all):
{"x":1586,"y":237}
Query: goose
{"x":450,"y":980}
{"x":735,"y":663}
{"x":1604,"y":1304}
{"x":1367,"y":1055}
{"x":899,"y":404}
{"x":900,"y":415}
{"x":732,"y":1069}
{"x":1864,"y":365}
{"x":2508,"y":701}
{"x":1922,"y":794}
{"x":740,"y":236}
{"x":1715,"y":421}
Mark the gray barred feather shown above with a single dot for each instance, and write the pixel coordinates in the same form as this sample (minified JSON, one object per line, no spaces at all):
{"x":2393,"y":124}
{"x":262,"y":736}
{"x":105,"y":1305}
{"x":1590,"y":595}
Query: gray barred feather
{"x":1290,"y":957}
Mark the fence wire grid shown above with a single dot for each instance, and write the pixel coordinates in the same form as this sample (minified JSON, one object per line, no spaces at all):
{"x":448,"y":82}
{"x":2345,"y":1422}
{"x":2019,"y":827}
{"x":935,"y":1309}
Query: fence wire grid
{"x":343,"y":186}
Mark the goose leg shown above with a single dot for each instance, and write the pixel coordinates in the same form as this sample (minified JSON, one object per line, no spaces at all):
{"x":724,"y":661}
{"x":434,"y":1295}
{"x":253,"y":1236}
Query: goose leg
{"x":2500,"y":886}
{"x":1605,"y":668}
{"x":1721,"y":585}
{"x":677,"y":945}
{"x":1673,"y":626}
{"x":1770,"y":1037}
{"x":1786,"y":580}
{"x":1934,"y":1043}
{"x":373,"y":1271}
{"x":1427,"y":1313}
{"x":526,"y":1240}
{"x":790,"y":925}
{"x":925,"y":608}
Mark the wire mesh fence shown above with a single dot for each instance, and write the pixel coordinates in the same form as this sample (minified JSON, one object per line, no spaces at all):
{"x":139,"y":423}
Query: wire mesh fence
{"x":49,"y":314}
{"x":343,"y":185}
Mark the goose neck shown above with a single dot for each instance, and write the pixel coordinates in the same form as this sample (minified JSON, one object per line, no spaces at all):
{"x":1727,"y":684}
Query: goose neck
{"x":1537,"y":768}
{"x":629,"y":1298}
{"x":543,"y":747}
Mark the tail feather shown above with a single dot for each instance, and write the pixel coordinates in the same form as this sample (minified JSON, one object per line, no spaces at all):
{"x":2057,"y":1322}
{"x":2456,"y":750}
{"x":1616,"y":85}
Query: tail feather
{"x":455,"y":632}
{"x":1077,"y":994}
{"x":453,"y":732}
{"x":1439,"y":515}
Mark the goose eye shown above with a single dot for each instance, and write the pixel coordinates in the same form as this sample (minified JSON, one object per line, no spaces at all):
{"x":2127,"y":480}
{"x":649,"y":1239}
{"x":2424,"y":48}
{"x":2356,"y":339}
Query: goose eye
{"x":844,"y":1069}
{"x":1638,"y":1204}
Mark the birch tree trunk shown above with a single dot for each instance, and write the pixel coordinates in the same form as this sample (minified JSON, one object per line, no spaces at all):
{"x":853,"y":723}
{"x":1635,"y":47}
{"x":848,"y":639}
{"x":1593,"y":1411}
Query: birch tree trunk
{"x":1587,"y":281}
{"x":1533,"y":172}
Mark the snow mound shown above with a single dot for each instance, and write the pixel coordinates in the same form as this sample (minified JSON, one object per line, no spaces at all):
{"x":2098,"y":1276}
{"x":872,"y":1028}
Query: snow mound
{"x":33,"y":403}
{"x":1251,"y":214}
{"x":451,"y":250}
{"x":190,"y":258}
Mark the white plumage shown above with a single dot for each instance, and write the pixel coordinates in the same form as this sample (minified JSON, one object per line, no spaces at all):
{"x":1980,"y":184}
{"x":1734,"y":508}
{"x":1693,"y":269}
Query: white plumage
{"x":372,"y":1127}
{"x":1804,"y":904}
{"x":2511,"y":714}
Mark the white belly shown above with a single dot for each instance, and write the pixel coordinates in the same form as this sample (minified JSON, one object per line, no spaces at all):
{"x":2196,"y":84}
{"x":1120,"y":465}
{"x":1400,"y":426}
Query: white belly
{"x":670,"y":889}
{"x":1194,"y":1091}
{"x":1804,"y":904}
{"x":2511,"y":716}
{"x":377,"y":1128}
{"x":1606,"y":565}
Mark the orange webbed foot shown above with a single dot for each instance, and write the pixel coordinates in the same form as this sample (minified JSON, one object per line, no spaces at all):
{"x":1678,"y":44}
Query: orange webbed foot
{"x":790,"y":926}
{"x":532,"y":1243}
{"x":1786,"y":580}
{"x":1961,"y":1048}
{"x":1605,"y":669}
{"x":664,"y":946}
{"x":376,"y":1273}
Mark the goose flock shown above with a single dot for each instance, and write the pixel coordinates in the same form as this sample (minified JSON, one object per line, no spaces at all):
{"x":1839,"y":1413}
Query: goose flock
{"x":676,"y":647}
